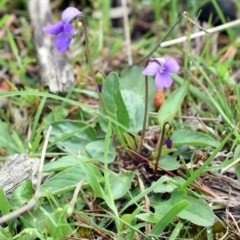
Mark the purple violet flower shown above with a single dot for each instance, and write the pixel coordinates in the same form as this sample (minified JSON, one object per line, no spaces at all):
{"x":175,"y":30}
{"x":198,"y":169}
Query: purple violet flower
{"x":169,"y":143}
{"x":161,"y":69}
{"x":64,"y":30}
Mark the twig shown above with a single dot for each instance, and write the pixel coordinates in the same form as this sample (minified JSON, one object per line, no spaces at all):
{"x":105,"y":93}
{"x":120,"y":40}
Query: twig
{"x":230,"y":165}
{"x":127,"y":31}
{"x":32,"y":203}
{"x":75,"y":194}
{"x":217,"y":120}
{"x":199,"y":34}
{"x":185,"y":14}
{"x":146,"y":203}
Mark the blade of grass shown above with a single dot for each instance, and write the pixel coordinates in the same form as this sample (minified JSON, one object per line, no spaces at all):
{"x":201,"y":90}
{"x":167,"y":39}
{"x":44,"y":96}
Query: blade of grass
{"x":14,"y":48}
{"x":177,"y":230}
{"x":36,"y":118}
{"x":168,"y":217}
{"x":145,"y":192}
{"x":110,"y":200}
{"x":88,"y":108}
{"x":197,"y":173}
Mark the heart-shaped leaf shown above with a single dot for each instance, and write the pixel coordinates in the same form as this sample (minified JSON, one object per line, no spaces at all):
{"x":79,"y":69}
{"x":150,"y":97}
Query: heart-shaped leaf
{"x":198,"y":212}
{"x":71,"y":135}
{"x":96,"y":150}
{"x":191,"y":138}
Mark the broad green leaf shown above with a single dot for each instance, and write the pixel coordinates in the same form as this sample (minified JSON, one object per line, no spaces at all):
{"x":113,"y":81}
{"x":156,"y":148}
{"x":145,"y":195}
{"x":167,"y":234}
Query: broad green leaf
{"x":113,"y":101}
{"x":197,"y":173}
{"x":131,"y":78}
{"x":198,"y":212}
{"x":63,"y":163}
{"x":168,"y":185}
{"x":71,"y":135}
{"x":135,"y":108}
{"x":96,"y":150}
{"x":58,"y":113}
{"x":170,"y":107}
{"x":139,"y":197}
{"x":168,"y":162}
{"x":191,"y":138}
{"x":168,"y":217}
{"x":120,"y":183}
{"x":22,"y":194}
{"x":66,"y":180}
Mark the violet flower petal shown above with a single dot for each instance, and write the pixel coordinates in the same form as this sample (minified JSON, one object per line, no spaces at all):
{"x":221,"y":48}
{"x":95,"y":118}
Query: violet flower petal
{"x":151,"y":69}
{"x":158,"y":81}
{"x":69,"y":14}
{"x":166,"y":79}
{"x":163,"y":80}
{"x":62,"y":42}
{"x":55,"y":29}
{"x":68,"y":28}
{"x":171,"y":66}
{"x":161,"y":60}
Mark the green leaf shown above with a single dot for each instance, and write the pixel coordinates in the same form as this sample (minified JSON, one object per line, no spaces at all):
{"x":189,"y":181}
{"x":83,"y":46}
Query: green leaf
{"x":71,"y":135}
{"x":64,"y":163}
{"x":168,"y":185}
{"x":168,"y":162}
{"x":120,"y":183}
{"x":131,"y":78}
{"x":96,"y":150}
{"x":191,"y":138}
{"x":58,"y":113}
{"x":135,"y":108}
{"x":170,"y":107}
{"x":113,"y":100}
{"x":198,"y":212}
{"x":68,"y":179}
{"x":64,"y":181}
{"x":22,"y":194}
{"x":168,"y":217}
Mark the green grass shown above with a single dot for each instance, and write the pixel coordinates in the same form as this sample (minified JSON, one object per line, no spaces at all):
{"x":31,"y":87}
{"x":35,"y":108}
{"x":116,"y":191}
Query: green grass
{"x":99,"y":186}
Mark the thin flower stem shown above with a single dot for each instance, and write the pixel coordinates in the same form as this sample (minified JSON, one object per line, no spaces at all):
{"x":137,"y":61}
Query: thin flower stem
{"x":91,"y":66}
{"x":145,"y":116}
{"x":159,"y":147}
{"x":95,"y":82}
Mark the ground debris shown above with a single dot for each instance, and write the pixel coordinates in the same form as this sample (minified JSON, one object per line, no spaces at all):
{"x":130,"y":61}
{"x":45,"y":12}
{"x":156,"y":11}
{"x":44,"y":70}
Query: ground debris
{"x":15,"y":170}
